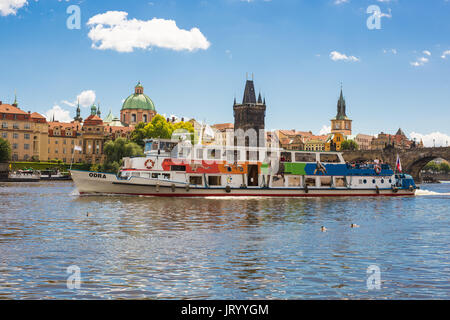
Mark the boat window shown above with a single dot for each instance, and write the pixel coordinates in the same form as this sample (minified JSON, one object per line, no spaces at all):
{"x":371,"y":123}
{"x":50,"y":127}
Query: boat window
{"x":286,"y":157}
{"x":294,"y":181}
{"x":215,"y":180}
{"x":310,"y":182}
{"x":329,"y":157}
{"x":166,"y":176}
{"x":277,"y":181}
{"x":325,"y":181}
{"x":213,"y":154}
{"x":196,"y":180}
{"x":305,"y":157}
{"x":185,"y":153}
{"x":155,"y":175}
{"x":135,"y":174}
{"x":340,"y":182}
{"x":233,"y":156}
{"x":178,"y":168}
{"x":199,"y":153}
{"x":252,"y":155}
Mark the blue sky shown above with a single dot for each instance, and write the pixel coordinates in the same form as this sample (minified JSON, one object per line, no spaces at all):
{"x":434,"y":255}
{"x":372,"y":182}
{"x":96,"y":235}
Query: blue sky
{"x":299,"y":51}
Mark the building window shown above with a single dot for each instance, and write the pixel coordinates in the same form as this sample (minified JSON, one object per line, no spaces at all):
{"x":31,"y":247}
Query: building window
{"x":145,"y":118}
{"x":27,"y":136}
{"x":56,"y":141}
{"x":56,"y":151}
{"x":4,"y":125}
{"x":15,"y":126}
{"x":133,"y":117}
{"x":26,"y":146}
{"x":15,"y":146}
{"x":65,"y":141}
{"x":5,"y":135}
{"x":15,"y":136}
{"x":27,"y":126}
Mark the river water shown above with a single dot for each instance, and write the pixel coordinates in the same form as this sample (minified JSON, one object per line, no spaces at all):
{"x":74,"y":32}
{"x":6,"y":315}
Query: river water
{"x":212,"y":248}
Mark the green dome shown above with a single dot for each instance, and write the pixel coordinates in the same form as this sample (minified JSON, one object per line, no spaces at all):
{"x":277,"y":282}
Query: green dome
{"x":139,"y":100}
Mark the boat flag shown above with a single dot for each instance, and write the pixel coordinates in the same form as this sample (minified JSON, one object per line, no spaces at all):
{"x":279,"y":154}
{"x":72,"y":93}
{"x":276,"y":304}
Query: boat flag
{"x":398,"y":164}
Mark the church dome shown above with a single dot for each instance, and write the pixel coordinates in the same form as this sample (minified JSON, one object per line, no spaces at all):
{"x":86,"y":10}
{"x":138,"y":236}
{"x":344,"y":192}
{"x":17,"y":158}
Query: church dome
{"x":138,"y":100}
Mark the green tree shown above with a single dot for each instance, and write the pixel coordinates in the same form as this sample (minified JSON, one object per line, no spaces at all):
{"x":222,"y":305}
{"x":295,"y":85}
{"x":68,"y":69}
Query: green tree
{"x":5,"y":150}
{"x":115,"y":151}
{"x":349,"y":145}
{"x":139,"y":134}
{"x":159,"y":128}
{"x":444,"y":167}
{"x":431,"y":166}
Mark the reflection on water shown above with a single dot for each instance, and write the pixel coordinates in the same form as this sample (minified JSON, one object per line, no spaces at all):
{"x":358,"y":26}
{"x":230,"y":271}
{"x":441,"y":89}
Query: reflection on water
{"x":213,"y":248}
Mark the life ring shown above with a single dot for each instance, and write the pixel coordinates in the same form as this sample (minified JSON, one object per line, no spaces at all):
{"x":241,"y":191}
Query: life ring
{"x":377,"y":169}
{"x":151,"y":165}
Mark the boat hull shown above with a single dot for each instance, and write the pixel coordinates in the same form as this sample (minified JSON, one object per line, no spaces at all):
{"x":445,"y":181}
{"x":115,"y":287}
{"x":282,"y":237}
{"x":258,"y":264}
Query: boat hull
{"x":101,"y":183}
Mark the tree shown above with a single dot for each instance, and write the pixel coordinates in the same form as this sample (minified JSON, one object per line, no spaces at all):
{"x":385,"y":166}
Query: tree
{"x":115,"y":151}
{"x":121,"y":148}
{"x":349,"y":145}
{"x":159,"y":128}
{"x":139,"y":134}
{"x":5,"y":150}
{"x":444,"y":167}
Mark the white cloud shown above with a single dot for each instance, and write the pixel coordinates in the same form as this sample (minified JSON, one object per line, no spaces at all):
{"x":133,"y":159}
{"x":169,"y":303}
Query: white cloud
{"x":440,"y":139}
{"x":60,"y":114}
{"x":337,"y":56}
{"x":393,"y":51}
{"x":338,"y":2}
{"x":420,"y":62}
{"x":325,"y":130}
{"x":8,"y":7}
{"x":445,"y":54}
{"x":86,"y":99}
{"x":426,"y":52}
{"x":114,"y":31}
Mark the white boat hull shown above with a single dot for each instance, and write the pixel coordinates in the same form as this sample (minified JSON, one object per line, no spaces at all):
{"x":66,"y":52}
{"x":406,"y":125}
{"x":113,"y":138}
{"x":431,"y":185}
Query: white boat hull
{"x":102,"y":183}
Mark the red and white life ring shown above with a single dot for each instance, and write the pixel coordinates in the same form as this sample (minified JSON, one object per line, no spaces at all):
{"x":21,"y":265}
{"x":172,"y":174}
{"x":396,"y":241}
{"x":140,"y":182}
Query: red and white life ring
{"x":377,"y":169}
{"x":149,"y":164}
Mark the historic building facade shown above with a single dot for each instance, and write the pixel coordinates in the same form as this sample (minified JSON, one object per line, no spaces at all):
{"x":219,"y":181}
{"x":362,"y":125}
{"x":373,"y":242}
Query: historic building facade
{"x":137,"y":108}
{"x":26,"y":132}
{"x":341,"y":123}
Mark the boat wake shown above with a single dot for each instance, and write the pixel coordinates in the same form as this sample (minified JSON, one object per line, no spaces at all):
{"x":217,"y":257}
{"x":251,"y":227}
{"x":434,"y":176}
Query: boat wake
{"x":444,"y":181}
{"x":422,"y":192}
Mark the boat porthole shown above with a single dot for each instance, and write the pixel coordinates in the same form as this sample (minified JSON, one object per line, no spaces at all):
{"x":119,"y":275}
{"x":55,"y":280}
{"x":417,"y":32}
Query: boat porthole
{"x":390,"y":180}
{"x":365,"y":181}
{"x":382,"y":180}
{"x":373,"y":181}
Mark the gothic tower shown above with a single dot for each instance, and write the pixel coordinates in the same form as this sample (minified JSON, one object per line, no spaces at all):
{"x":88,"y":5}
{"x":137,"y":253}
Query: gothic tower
{"x":341,"y":123}
{"x":250,"y":114}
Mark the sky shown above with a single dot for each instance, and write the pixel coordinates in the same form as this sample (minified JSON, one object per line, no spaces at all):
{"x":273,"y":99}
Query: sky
{"x":193,"y":57}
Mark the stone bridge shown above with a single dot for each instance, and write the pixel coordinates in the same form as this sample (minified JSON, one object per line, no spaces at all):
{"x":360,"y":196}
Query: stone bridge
{"x":413,"y":160}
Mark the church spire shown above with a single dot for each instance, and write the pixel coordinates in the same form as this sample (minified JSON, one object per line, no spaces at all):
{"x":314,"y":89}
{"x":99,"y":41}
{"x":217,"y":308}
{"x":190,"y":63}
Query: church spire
{"x":341,"y":107}
{"x":15,"y":104}
{"x":249,"y":93}
{"x":259,"y":98}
